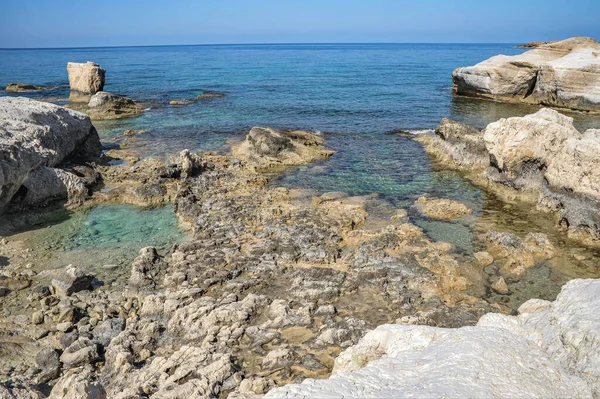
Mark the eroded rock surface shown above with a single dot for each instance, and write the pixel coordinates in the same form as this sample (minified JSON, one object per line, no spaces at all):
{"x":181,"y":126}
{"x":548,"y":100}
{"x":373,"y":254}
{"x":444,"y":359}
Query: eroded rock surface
{"x":563,"y":74}
{"x":36,"y":140}
{"x":539,"y":157}
{"x":105,"y":106}
{"x":551,"y":349}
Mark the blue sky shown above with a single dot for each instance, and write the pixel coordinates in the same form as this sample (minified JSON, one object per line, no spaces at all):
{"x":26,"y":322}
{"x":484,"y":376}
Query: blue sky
{"x":74,"y":23}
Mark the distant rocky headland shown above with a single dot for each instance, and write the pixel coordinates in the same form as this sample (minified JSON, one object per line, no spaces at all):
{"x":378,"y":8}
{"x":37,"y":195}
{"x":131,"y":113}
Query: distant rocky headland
{"x":562,"y":74}
{"x":276,"y":288}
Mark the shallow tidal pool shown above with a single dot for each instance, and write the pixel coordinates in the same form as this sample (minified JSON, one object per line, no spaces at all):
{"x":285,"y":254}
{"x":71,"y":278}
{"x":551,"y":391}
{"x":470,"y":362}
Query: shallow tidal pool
{"x":103,"y":239}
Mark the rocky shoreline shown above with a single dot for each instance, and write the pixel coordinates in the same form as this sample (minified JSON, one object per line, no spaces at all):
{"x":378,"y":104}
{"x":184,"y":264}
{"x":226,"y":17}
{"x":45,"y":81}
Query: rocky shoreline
{"x":276,"y":286}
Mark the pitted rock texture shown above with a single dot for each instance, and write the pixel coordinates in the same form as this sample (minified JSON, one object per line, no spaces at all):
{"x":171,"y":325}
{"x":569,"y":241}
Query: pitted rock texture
{"x":539,"y":157}
{"x":562,"y":74}
{"x":551,"y":349}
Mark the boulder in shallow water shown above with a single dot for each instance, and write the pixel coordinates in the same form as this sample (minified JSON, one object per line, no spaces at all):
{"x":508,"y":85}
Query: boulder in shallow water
{"x":105,"y":106}
{"x":550,"y":351}
{"x":86,"y":78}
{"x":266,"y":148}
{"x":20,"y":87}
{"x":564,"y":73}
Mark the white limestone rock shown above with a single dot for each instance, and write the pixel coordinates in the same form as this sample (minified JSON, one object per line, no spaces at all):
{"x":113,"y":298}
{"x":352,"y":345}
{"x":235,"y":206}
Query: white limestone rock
{"x":564,"y":73}
{"x":549,"y":350}
{"x":37,"y":134}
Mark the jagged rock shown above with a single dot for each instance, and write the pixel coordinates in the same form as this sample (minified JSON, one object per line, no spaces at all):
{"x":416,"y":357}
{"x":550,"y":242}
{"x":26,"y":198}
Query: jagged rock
{"x":549,"y":350}
{"x":562,"y":74}
{"x":522,"y":147}
{"x":106,"y":106}
{"x":49,"y":184}
{"x":78,"y":384}
{"x":145,"y":268}
{"x":70,"y":280}
{"x":18,"y":391}
{"x":37,"y":134}
{"x":49,"y":362}
{"x":279,"y":358}
{"x":500,"y":286}
{"x":267,"y":148}
{"x":81,"y":352}
{"x":191,"y":164}
{"x":20,"y":87}
{"x":457,"y":145}
{"x":107,"y":330}
{"x":87,"y":78}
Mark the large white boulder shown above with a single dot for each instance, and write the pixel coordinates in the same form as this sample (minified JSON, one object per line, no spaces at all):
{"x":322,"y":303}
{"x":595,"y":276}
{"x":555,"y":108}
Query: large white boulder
{"x":86,"y":78}
{"x":565,"y":74}
{"x":551,"y":349}
{"x":35,"y":134}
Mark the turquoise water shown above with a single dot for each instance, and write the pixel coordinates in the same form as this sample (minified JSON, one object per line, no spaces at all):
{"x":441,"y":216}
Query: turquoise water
{"x":356,"y":94}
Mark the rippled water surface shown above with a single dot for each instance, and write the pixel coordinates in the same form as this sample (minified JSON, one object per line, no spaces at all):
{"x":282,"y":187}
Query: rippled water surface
{"x":357,"y":95}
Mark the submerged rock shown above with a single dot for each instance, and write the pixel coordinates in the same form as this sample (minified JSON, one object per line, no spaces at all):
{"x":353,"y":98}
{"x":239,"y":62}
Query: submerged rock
{"x":442,"y":208}
{"x":549,"y":350}
{"x":563,"y":73}
{"x":85,"y":78}
{"x":20,"y":87}
{"x":37,"y":137}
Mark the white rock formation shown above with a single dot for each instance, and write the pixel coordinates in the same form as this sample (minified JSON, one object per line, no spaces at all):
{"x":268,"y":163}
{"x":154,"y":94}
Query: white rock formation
{"x":551,"y":349}
{"x":564,"y":74}
{"x":36,"y":134}
{"x":86,"y":78}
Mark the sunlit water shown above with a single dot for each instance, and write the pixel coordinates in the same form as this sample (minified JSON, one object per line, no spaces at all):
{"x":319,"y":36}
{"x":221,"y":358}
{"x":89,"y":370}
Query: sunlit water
{"x":357,"y":95}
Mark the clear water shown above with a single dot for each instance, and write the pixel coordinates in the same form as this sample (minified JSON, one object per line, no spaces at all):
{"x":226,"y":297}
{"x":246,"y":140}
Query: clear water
{"x":104,"y":239}
{"x":356,"y":94}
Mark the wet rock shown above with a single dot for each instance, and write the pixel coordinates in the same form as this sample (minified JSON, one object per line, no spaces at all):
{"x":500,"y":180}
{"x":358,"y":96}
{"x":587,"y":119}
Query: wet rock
{"x":106,"y":106}
{"x":483,"y":258}
{"x":267,"y":148}
{"x":86,"y":78}
{"x":19,"y":87}
{"x":208,"y":95}
{"x":48,"y":361}
{"x":441,"y":208}
{"x":81,"y":352}
{"x":70,"y":280}
{"x":180,"y":102}
{"x":500,"y":286}
{"x":279,"y":358}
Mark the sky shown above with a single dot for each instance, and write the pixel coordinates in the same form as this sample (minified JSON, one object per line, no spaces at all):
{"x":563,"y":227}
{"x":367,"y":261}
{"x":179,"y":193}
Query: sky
{"x":86,"y":23}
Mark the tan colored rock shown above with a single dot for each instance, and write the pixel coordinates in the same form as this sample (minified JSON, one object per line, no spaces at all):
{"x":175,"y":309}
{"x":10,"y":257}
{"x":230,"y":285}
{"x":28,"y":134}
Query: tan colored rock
{"x":20,"y":87}
{"x":442,"y":208}
{"x":180,"y":102}
{"x":500,"y":286}
{"x":87,"y":78}
{"x":564,"y":74}
{"x":107,"y":106}
{"x":266,"y":148}
{"x":483,"y":258}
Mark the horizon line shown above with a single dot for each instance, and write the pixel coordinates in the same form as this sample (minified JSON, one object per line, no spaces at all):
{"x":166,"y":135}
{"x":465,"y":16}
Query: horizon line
{"x":242,"y":44}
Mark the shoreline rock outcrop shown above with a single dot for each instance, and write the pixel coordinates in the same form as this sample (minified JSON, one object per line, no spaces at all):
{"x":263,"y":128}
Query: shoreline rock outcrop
{"x":539,"y":157}
{"x":551,"y":349}
{"x":41,"y":145}
{"x":86,"y":78}
{"x":22,"y":87}
{"x":266,"y":148}
{"x":563,"y":74}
